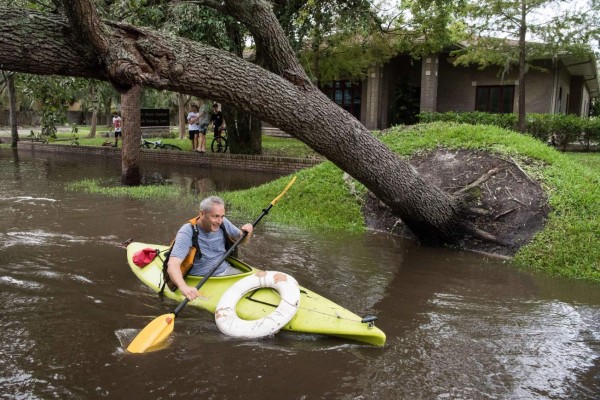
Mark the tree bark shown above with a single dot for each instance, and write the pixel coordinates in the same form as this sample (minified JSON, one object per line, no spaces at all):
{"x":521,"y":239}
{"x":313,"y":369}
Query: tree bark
{"x":108,"y":113}
{"x":181,"y":115}
{"x":94,"y":121}
{"x":243,"y":131}
{"x":132,"y":132}
{"x":285,"y":98}
{"x":12,"y":100}
{"x":522,"y":71}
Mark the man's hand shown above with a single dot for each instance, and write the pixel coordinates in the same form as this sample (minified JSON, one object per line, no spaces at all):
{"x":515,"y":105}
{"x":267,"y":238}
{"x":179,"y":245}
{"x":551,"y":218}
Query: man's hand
{"x":248,"y":228}
{"x":189,"y":292}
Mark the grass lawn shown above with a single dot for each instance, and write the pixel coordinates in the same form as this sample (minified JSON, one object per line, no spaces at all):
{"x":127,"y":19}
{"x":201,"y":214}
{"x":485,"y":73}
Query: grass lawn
{"x":591,"y":160}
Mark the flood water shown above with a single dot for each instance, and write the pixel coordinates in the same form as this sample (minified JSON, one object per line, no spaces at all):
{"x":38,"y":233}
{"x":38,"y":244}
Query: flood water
{"x":459,"y":325}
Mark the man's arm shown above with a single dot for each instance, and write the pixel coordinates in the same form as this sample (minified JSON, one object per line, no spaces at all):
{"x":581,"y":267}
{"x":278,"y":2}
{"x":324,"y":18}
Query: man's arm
{"x":174,"y":271}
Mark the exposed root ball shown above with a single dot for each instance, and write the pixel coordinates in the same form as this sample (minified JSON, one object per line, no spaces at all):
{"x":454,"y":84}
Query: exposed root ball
{"x":507,"y":204}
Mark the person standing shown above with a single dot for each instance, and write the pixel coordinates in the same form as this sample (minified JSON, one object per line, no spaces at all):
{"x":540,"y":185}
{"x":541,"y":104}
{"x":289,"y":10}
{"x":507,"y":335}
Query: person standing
{"x":203,"y":122}
{"x":117,"y":125}
{"x":204,"y":115}
{"x":217,"y":120}
{"x":193,"y":119}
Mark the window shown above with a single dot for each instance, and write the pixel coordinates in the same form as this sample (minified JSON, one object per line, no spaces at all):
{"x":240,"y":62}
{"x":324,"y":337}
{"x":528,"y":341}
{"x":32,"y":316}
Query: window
{"x":346,"y":94}
{"x":495,"y":99}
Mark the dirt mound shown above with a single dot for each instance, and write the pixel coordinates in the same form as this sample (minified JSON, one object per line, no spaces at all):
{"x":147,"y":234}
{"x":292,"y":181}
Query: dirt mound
{"x":512,"y":206}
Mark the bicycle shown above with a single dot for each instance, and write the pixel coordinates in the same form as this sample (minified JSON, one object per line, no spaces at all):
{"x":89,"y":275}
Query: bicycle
{"x":147,"y":144}
{"x":219,"y":143}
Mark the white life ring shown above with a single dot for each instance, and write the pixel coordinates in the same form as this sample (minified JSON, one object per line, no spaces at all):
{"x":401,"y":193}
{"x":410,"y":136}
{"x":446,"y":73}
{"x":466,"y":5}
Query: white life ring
{"x":230,"y":324}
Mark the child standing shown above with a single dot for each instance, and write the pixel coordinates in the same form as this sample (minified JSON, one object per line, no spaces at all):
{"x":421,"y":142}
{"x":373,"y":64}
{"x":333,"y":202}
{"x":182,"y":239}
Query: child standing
{"x":193,"y":119}
{"x":117,"y":123}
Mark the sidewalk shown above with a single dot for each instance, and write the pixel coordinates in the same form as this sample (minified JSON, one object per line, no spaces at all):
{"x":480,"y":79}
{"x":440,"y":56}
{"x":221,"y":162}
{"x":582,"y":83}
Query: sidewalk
{"x":26,"y":130}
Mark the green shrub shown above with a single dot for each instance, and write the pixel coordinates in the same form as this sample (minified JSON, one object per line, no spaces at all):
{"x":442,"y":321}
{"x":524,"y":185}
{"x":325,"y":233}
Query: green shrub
{"x":565,"y":129}
{"x":560,"y":129}
{"x":590,"y":133}
{"x":538,"y":126}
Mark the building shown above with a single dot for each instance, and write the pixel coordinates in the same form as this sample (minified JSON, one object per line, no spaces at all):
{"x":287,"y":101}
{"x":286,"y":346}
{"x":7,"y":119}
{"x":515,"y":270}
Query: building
{"x":395,"y":92}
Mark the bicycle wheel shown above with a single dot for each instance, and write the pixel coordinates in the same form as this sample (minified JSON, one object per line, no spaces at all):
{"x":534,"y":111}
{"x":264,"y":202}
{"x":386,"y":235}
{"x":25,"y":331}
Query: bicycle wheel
{"x":167,"y":146}
{"x":146,"y":145}
{"x":219,"y":145}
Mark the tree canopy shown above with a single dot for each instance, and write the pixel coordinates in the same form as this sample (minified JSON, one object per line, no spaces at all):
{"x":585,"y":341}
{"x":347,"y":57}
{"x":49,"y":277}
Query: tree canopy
{"x":509,"y":33}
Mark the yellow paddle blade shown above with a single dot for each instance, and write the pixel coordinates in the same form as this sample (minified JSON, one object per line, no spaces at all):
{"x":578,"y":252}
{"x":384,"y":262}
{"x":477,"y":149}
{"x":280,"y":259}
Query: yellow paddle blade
{"x":154,"y":333}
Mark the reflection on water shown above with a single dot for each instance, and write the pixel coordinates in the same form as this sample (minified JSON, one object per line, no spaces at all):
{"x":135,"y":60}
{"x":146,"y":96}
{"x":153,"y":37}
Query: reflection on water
{"x":458,"y":325}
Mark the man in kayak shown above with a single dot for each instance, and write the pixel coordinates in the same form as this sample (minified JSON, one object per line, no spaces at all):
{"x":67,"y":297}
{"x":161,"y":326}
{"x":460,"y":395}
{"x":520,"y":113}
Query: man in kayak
{"x":213,"y":231}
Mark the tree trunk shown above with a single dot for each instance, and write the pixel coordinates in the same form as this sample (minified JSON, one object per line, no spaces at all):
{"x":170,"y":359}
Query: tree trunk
{"x":108,"y":114}
{"x":522,"y":55}
{"x":12,"y":100}
{"x":181,"y":115}
{"x":94,"y":120}
{"x":244,"y":132}
{"x":132,"y":132}
{"x":285,"y":98}
{"x":94,"y":123}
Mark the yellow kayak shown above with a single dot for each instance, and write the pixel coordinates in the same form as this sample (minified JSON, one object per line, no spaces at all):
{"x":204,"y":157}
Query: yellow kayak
{"x":315,"y":314}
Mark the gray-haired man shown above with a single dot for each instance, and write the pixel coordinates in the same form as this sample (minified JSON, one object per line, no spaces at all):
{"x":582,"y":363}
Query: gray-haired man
{"x":213,"y":231}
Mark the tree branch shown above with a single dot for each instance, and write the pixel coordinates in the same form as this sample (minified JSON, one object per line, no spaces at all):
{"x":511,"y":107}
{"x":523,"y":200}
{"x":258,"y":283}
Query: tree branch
{"x":83,"y":16}
{"x":512,"y":161}
{"x":273,"y":50}
{"x":479,"y":180}
{"x":217,"y":5}
{"x":497,"y":217}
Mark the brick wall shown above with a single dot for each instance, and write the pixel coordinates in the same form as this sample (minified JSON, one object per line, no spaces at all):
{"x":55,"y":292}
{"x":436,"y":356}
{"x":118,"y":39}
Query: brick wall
{"x":233,"y":161}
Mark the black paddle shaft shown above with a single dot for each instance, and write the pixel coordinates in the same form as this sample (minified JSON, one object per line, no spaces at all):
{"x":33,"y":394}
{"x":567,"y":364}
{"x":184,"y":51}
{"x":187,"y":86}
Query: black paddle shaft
{"x":223,"y":258}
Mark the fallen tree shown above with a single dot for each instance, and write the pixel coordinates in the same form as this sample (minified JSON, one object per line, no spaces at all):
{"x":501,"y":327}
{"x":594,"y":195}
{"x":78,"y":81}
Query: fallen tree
{"x":76,"y":42}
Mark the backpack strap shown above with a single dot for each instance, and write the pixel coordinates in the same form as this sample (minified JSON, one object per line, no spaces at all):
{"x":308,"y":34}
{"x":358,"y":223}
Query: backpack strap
{"x":195,"y":233}
{"x":165,"y":275}
{"x":228,"y":241}
{"x":186,"y":265}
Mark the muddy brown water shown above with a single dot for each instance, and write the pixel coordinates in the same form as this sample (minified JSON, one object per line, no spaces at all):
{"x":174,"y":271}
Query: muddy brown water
{"x":459,"y":325}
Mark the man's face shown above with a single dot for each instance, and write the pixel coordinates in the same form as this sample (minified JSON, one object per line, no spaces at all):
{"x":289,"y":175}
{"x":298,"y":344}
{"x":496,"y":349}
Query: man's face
{"x":211,"y":220}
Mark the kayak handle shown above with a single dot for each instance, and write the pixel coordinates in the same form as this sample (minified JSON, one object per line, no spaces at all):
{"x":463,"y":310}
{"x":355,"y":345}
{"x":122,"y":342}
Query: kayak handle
{"x":369,"y":319}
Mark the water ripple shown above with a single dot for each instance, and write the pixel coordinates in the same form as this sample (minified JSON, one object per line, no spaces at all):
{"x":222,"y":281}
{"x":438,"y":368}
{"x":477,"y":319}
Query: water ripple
{"x":20,"y":283}
{"x":39,"y":238}
{"x":29,"y":199}
{"x":537,"y":347}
